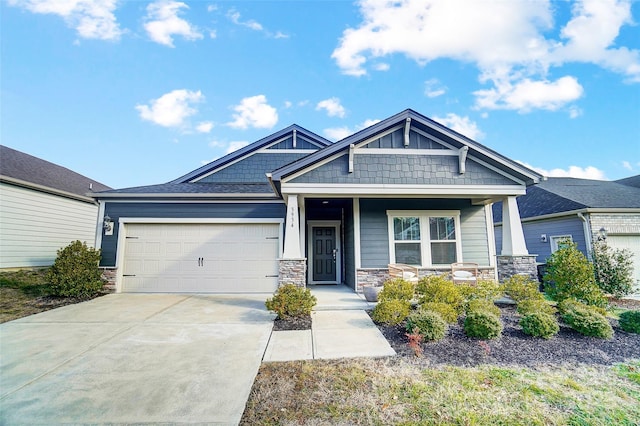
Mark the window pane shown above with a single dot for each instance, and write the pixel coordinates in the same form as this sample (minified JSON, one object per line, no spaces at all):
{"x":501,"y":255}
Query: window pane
{"x":406,"y":228}
{"x":408,"y":253}
{"x":442,"y":228}
{"x":443,"y":253}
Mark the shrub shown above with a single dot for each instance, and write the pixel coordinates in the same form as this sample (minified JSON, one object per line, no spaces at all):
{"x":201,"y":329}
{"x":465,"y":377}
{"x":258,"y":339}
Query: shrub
{"x":391,"y":312}
{"x":484,"y":289}
{"x":586,"y":320}
{"x":519,"y":288}
{"x":568,"y":304}
{"x":570,"y":275}
{"x":483,"y":305}
{"x":482,"y":324}
{"x":540,"y":324}
{"x":437,"y":288}
{"x":613,"y":269}
{"x":446,"y":311}
{"x":397,"y":289}
{"x":529,"y":306}
{"x":291,"y":301}
{"x":630,"y":321}
{"x":427,"y":323}
{"x":75,"y":272}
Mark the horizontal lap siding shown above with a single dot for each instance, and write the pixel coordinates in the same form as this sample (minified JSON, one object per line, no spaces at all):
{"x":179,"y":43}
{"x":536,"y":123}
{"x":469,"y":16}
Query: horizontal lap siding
{"x":183,"y":211}
{"x":562,"y":226}
{"x":35,"y":225}
{"x":475,"y":243}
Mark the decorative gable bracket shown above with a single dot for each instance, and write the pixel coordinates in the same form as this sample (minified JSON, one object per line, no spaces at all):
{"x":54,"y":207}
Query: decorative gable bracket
{"x":462,"y":159}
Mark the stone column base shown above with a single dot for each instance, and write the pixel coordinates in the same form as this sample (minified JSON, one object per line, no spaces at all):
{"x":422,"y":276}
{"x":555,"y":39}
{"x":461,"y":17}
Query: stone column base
{"x":292,"y":271}
{"x":509,"y":266}
{"x":109,"y":275}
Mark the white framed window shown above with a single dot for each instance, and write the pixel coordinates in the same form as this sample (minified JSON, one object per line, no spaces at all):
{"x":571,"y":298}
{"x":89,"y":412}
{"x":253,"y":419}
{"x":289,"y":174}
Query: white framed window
{"x":424,"y":237}
{"x":557,"y":241}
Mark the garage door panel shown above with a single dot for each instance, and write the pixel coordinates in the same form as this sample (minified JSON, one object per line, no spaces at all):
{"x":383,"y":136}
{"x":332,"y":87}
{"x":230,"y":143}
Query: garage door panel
{"x":239,"y":258}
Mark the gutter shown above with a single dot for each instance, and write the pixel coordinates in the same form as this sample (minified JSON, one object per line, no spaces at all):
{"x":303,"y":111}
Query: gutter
{"x":587,"y":234}
{"x":47,"y":190}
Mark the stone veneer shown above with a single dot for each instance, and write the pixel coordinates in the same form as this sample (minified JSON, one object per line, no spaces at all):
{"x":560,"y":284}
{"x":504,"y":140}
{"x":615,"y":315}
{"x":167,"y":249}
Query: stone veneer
{"x":377,"y":276}
{"x":109,"y":275}
{"x":292,"y":271}
{"x":509,"y":266}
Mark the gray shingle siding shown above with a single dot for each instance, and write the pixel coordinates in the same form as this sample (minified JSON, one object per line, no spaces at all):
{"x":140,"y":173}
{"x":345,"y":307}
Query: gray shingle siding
{"x":253,"y":168}
{"x":182,"y":211}
{"x":288,"y":144}
{"x":403,"y":169}
{"x":396,"y":140}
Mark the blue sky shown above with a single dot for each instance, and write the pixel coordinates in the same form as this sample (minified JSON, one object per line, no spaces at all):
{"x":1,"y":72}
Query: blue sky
{"x":136,"y":93}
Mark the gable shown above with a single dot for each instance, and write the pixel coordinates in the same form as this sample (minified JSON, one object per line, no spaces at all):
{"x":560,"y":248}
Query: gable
{"x":252,"y":168}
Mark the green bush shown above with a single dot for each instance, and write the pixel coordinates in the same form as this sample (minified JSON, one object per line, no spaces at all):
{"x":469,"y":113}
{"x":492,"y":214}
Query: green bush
{"x":482,"y":324}
{"x":391,"y":312}
{"x":519,"y":288}
{"x":613,"y":269}
{"x":483,"y":289}
{"x":483,"y":305}
{"x":428,"y":324}
{"x":529,"y":306}
{"x":586,"y":320}
{"x":291,"y":301}
{"x":75,"y":272}
{"x":437,"y":288}
{"x":630,"y":321}
{"x":540,"y":324}
{"x":446,"y":311}
{"x":569,"y":275}
{"x":568,"y":304}
{"x":397,"y":289}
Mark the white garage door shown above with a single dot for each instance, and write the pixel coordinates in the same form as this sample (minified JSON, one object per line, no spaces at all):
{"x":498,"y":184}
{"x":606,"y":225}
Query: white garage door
{"x":631,"y":243}
{"x":201,"y":258}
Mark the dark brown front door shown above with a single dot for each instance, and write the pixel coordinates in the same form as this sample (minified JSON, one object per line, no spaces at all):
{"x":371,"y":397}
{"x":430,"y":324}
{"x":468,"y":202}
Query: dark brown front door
{"x":324,"y":253}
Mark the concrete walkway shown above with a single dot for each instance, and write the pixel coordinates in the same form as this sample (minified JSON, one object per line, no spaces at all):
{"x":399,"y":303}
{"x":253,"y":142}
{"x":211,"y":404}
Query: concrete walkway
{"x":340,"y":329}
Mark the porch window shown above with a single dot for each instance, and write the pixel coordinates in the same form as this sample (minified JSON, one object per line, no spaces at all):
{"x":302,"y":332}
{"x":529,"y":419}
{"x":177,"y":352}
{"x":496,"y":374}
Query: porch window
{"x":424,"y":238}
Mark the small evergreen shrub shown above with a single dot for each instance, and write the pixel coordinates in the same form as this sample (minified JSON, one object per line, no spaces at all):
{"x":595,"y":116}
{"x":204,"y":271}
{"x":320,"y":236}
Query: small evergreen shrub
{"x":397,"y":289}
{"x":613,"y":269}
{"x":437,"y":288}
{"x":530,"y":306}
{"x":630,"y":321}
{"x":446,"y":311}
{"x":483,"y":289}
{"x":540,"y":324}
{"x":586,"y":320}
{"x":391,"y":311}
{"x":568,"y":304}
{"x":427,"y":323}
{"x":569,"y":275}
{"x":483,"y":305}
{"x":291,"y":301}
{"x":519,"y":288}
{"x":483,"y":325}
{"x":75,"y":272}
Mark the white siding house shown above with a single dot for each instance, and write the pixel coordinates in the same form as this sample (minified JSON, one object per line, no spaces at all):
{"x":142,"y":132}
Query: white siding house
{"x":43,"y":207}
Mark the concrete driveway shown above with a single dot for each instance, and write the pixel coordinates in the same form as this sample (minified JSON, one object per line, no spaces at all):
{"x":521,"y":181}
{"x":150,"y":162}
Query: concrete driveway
{"x":128,"y":358}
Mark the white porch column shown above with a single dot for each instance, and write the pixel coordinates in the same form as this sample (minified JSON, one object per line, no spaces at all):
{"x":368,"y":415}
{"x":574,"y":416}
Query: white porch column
{"x":292,"y":230}
{"x":512,"y":235}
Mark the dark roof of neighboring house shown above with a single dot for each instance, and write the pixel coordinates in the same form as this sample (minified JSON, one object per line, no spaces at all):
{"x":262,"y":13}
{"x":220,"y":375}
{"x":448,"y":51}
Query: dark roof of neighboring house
{"x":556,"y":195}
{"x":194,"y":189}
{"x":630,"y":181}
{"x":27,"y":169}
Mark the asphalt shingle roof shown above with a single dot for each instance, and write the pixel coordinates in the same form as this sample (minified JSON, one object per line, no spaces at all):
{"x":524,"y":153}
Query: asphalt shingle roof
{"x":630,"y":181}
{"x":196,"y":188}
{"x":18,"y":165}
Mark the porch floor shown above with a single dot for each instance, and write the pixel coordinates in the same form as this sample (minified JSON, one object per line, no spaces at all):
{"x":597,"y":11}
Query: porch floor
{"x":338,"y":298}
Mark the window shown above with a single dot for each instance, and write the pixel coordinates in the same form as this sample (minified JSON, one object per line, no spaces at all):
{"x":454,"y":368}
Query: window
{"x":559,"y":241}
{"x":424,"y":238}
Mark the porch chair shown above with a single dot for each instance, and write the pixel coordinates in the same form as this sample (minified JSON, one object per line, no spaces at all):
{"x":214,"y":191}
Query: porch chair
{"x":406,"y":272}
{"x":464,"y":273}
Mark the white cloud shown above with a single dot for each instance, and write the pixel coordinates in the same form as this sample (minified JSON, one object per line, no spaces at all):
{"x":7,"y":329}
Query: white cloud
{"x":162,"y":22}
{"x":332,"y":106}
{"x":236,"y":145}
{"x":382,"y":66}
{"x":512,"y":55}
{"x":213,"y":34}
{"x":574,"y":112}
{"x":212,"y":8}
{"x":462,"y":125}
{"x":93,"y":19}
{"x":255,"y":112}
{"x":338,"y":133}
{"x":280,"y":34}
{"x":589,"y":172}
{"x":433,"y":88}
{"x":627,"y":165}
{"x":204,"y":127}
{"x":288,"y":104}
{"x":171,"y":109}
{"x":234,"y":16}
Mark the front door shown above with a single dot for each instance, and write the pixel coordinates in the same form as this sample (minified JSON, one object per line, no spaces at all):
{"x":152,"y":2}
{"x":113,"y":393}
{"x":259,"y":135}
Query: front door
{"x":323,"y":243}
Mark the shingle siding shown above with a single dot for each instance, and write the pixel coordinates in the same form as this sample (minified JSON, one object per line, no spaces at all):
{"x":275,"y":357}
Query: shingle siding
{"x":253,"y":168}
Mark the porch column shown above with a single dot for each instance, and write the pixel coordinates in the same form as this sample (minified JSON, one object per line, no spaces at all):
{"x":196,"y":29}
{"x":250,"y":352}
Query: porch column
{"x":512,"y":235}
{"x":292,"y":266}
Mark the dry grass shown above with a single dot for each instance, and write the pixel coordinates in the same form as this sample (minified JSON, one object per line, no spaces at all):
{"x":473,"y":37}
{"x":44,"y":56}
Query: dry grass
{"x":396,"y":391}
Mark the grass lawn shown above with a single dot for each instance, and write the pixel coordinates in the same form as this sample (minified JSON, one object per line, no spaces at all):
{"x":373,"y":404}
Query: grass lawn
{"x":21,"y":294}
{"x":397,"y":391}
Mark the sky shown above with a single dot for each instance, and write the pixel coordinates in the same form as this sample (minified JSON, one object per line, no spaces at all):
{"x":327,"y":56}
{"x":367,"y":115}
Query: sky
{"x":133,"y":93}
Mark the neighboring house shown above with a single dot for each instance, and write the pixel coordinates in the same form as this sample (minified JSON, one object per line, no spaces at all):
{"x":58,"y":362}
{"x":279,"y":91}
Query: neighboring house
{"x":43,"y":207}
{"x":293,"y":207}
{"x":580,"y":210}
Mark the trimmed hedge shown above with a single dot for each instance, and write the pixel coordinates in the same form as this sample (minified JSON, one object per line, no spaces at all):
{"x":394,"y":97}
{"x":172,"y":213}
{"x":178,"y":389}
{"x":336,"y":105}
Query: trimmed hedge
{"x":483,"y":325}
{"x":540,"y":324}
{"x":428,"y":324}
{"x":291,"y":301}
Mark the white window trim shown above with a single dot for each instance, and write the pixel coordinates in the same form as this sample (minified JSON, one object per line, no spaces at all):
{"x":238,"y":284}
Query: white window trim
{"x":554,"y":241}
{"x":425,"y":236}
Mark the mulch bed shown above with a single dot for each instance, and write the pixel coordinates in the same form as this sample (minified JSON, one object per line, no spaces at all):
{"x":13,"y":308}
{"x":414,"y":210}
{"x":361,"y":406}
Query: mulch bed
{"x":514,"y":348}
{"x":292,"y":323}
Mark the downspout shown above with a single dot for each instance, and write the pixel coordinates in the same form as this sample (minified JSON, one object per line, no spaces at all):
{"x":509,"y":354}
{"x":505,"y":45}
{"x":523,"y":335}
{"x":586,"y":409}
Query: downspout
{"x":587,"y":234}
